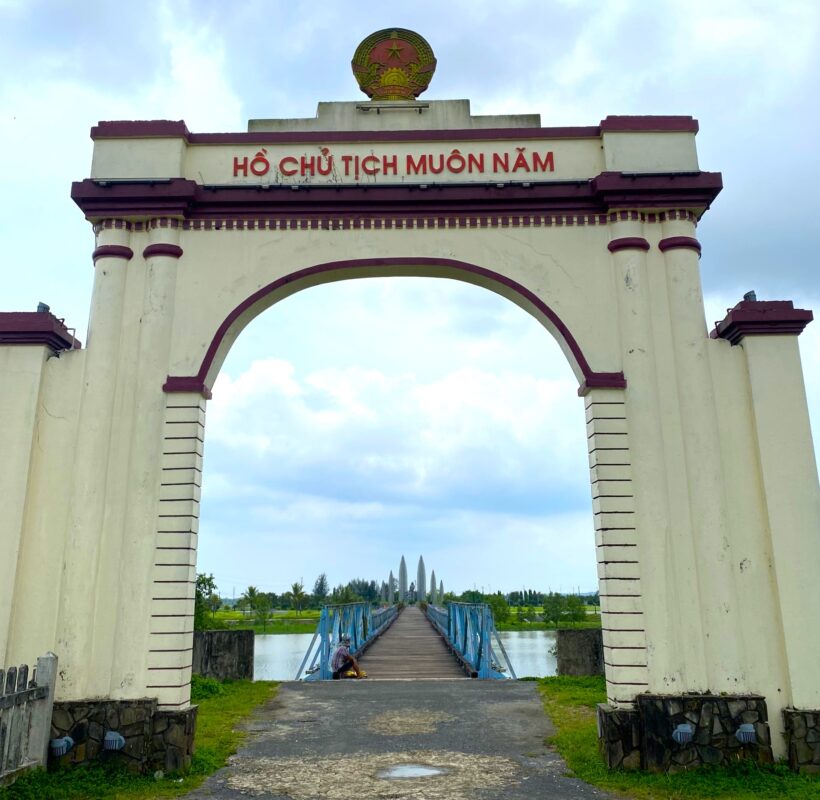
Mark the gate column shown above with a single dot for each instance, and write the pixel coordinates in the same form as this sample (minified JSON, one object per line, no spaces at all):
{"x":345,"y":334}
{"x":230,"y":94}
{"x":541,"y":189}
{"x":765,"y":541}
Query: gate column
{"x":767,"y":332}
{"x":75,"y":626}
{"x":132,"y":664}
{"x":704,"y":474}
{"x":662,"y":526}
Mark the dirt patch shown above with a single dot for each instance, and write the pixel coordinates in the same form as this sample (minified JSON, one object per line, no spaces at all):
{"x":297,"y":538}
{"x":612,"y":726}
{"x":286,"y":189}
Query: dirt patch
{"x":342,"y":777}
{"x":405,"y":722}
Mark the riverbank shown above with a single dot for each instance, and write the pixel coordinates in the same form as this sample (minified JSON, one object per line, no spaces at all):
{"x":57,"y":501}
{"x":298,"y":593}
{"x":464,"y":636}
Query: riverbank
{"x":308,"y":625}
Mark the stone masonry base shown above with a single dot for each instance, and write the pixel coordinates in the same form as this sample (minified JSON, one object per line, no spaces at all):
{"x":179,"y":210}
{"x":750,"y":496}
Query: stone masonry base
{"x":224,"y":655}
{"x":641,"y":738}
{"x":803,"y":739}
{"x":154,"y":740}
{"x":579,"y":652}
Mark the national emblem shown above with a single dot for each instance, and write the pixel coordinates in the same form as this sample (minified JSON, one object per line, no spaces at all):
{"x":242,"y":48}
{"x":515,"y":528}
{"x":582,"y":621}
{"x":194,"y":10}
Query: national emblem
{"x":393,"y":64}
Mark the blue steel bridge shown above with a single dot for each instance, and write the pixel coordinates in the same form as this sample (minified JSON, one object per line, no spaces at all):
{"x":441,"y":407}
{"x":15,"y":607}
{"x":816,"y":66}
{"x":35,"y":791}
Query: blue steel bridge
{"x":456,"y":641}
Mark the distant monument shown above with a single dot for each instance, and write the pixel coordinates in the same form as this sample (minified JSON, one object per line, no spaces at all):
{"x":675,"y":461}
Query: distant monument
{"x":421,"y":581}
{"x":402,"y":581}
{"x":433,"y":588}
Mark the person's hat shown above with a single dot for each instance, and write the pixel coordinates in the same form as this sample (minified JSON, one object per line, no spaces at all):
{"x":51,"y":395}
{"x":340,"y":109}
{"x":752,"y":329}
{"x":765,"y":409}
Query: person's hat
{"x":345,"y":637}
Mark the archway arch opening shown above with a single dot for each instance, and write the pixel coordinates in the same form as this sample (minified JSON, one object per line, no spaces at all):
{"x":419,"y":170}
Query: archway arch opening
{"x":359,"y":422}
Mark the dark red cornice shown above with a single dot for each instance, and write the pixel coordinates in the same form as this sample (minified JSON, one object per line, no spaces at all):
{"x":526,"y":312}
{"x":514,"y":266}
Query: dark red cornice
{"x":761,"y":318}
{"x":171,"y":197}
{"x":667,"y":190}
{"x":186,"y":199}
{"x":36,"y":327}
{"x":649,"y":124}
{"x":148,"y":129}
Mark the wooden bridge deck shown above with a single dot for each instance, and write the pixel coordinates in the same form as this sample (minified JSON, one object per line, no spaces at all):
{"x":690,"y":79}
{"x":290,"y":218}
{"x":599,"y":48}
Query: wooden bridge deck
{"x":410,"y":649}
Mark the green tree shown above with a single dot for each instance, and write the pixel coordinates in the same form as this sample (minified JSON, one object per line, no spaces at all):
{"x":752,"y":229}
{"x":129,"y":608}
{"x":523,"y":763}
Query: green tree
{"x":320,"y":589}
{"x":575,"y":608}
{"x":262,"y":611}
{"x":205,"y":589}
{"x":249,"y":599}
{"x":344,"y":594}
{"x":214,"y":603}
{"x":498,"y":605}
{"x":553,"y":608}
{"x":297,"y":596}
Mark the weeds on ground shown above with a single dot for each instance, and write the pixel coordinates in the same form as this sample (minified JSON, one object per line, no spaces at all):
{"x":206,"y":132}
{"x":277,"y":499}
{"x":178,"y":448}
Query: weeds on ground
{"x":570,"y":703}
{"x":221,"y":707}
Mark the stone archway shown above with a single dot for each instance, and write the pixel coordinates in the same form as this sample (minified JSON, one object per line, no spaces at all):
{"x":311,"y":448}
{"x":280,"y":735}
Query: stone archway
{"x":700,"y":449}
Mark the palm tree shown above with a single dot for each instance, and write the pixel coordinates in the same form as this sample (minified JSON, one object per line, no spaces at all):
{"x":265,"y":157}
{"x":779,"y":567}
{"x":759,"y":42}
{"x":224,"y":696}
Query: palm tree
{"x":250,"y":598}
{"x":297,"y":596}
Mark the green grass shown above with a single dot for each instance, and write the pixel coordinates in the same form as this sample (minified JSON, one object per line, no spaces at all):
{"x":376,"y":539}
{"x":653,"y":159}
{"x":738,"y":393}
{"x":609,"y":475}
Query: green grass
{"x":286,"y":622}
{"x":570,"y":702}
{"x":513,"y":625}
{"x":221,"y":707}
{"x":225,"y":615}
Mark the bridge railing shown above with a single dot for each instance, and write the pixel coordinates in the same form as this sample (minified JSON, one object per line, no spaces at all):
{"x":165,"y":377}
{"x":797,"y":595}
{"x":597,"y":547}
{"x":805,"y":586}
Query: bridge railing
{"x":469,"y":629}
{"x":360,"y":621}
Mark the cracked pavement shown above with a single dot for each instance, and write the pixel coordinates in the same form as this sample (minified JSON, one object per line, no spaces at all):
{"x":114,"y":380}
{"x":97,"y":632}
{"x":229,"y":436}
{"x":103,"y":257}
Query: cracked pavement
{"x":335,"y":740}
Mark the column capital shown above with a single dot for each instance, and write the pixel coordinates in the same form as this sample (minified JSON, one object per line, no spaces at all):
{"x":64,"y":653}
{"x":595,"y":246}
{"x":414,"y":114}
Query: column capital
{"x":112,"y":251}
{"x":628,"y":243}
{"x":162,"y":249}
{"x":761,"y":318}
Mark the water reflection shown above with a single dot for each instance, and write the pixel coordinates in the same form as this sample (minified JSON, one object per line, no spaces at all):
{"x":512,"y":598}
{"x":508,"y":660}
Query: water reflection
{"x":531,"y":652}
{"x":277,"y":657}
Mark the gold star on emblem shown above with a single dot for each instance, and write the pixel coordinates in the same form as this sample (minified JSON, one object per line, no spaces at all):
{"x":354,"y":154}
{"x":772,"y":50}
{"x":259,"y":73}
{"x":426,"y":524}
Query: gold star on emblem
{"x":394,"y":50}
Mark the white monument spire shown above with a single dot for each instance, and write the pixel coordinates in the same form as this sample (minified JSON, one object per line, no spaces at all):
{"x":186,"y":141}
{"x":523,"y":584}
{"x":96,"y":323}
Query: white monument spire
{"x":402,"y":581}
{"x":421,"y":581}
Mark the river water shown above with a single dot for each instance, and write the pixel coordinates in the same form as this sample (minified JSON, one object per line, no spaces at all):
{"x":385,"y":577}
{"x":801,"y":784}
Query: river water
{"x":277,"y":657}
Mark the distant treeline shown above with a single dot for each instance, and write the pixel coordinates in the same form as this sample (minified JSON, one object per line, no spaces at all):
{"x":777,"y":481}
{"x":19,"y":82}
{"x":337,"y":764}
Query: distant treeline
{"x":529,"y":604}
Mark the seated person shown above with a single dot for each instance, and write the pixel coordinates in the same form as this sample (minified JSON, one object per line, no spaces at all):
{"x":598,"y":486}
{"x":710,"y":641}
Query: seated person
{"x":342,"y":661}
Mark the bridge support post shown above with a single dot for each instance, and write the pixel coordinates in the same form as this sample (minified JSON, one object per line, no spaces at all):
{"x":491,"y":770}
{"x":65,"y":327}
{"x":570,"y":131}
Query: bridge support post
{"x":325,"y":672}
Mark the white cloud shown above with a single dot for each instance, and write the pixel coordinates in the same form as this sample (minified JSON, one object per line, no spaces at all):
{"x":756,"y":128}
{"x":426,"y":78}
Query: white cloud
{"x":440,"y":419}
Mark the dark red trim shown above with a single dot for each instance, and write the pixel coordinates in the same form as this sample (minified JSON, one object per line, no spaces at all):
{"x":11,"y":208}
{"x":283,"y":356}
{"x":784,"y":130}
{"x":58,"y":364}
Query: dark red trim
{"x":638,"y":124}
{"x":162,"y":249}
{"x":628,"y":243}
{"x":38,"y":328}
{"x":675,"y":242}
{"x":142,"y":129}
{"x":761,"y":318}
{"x":145,"y":129}
{"x":197,"y":383}
{"x":622,"y":190}
{"x":194,"y":384}
{"x":179,"y":197}
{"x":602,"y":380}
{"x":112,"y":251}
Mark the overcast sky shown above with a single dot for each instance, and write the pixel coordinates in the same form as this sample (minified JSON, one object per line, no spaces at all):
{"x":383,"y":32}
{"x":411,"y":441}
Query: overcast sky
{"x":405,"y":416}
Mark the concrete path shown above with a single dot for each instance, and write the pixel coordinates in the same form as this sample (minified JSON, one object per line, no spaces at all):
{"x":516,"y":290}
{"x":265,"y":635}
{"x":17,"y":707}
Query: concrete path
{"x":441,"y":740}
{"x":410,"y":648}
